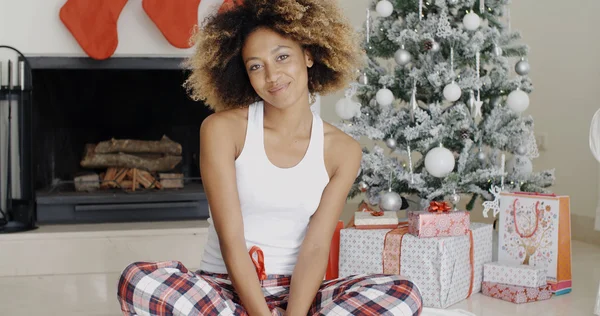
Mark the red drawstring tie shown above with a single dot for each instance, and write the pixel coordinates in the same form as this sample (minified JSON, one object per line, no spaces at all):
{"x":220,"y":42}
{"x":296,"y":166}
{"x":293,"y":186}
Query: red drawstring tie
{"x":260,"y":264}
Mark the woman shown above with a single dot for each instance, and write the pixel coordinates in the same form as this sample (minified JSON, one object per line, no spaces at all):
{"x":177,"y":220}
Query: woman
{"x":275,"y":175}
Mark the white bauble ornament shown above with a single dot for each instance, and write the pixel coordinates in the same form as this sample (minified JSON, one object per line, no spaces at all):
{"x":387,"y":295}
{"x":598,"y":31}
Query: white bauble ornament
{"x":471,"y":21}
{"x":435,"y":47}
{"x":520,"y":166}
{"x":518,"y":101}
{"x":363,"y":186}
{"x":402,"y":56}
{"x":452,"y":92}
{"x":390,"y":202}
{"x":439,"y":162}
{"x":481,"y":156}
{"x":384,"y":97}
{"x":384,"y":8}
{"x":347,"y":109}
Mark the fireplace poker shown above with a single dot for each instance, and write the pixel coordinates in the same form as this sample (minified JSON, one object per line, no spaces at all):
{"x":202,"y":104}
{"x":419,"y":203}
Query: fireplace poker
{"x":8,"y":156}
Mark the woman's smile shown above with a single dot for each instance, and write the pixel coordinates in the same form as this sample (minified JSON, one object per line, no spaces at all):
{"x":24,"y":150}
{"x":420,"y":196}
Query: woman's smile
{"x":279,"y":89}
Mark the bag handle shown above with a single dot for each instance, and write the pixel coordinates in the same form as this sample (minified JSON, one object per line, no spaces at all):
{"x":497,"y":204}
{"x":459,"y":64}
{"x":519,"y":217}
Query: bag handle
{"x":537,"y":219}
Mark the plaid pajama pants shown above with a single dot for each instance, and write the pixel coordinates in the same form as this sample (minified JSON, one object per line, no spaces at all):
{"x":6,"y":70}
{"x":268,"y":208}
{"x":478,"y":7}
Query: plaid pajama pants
{"x":168,"y":288}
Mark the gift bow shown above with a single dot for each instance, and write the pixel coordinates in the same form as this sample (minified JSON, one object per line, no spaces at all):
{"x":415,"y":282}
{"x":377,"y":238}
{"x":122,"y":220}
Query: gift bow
{"x":439,"y":207}
{"x":363,"y":207}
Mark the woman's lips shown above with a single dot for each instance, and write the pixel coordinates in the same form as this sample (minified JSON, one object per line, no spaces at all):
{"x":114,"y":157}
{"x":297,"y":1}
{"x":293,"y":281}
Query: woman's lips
{"x":278,"y":89}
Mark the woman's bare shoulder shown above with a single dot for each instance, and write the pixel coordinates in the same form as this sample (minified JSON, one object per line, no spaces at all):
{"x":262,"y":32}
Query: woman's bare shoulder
{"x":229,"y":125}
{"x":339,"y":146}
{"x":228,"y":118}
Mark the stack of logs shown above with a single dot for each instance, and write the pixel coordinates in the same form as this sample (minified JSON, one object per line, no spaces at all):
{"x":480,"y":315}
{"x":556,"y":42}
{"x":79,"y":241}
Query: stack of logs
{"x":131,"y":164}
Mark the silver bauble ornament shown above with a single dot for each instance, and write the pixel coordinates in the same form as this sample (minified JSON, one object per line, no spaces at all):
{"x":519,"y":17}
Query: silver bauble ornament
{"x":452,"y":2}
{"x":471,"y":102}
{"x":363,"y":79}
{"x":521,"y":150}
{"x":363,"y":186}
{"x":481,"y":156}
{"x":402,"y":56}
{"x":495,"y":101}
{"x":497,"y":51}
{"x":390,"y":202}
{"x":391,"y":143}
{"x":454,"y":199}
{"x":522,"y":67}
{"x":435,"y":47}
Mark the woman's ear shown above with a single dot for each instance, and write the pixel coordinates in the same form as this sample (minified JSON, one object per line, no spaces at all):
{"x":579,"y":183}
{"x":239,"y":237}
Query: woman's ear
{"x":308,"y":58}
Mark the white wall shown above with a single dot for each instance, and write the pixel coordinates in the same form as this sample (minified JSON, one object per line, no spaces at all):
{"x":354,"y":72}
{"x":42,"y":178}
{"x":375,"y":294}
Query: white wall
{"x":34,"y":27}
{"x":566,"y":74}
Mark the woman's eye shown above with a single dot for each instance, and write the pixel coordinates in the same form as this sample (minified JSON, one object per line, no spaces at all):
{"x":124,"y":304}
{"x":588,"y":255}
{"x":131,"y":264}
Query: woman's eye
{"x":282,"y":57}
{"x":254,"y":67}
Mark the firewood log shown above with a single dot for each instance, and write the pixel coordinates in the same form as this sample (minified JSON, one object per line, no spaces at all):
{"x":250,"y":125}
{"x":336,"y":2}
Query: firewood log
{"x":122,"y":160}
{"x":164,"y":146}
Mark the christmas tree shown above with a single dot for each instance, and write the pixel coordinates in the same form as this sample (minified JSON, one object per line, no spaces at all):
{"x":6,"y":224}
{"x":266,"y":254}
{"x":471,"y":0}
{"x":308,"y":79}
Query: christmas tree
{"x":440,"y":99}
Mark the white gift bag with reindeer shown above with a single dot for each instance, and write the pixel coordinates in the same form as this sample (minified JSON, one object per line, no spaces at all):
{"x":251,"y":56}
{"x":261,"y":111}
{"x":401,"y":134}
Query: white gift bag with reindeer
{"x":535,"y":229}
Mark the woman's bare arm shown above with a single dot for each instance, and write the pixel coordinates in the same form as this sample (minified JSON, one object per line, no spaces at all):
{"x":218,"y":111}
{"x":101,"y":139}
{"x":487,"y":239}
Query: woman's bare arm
{"x":314,"y":253}
{"x":217,"y":164}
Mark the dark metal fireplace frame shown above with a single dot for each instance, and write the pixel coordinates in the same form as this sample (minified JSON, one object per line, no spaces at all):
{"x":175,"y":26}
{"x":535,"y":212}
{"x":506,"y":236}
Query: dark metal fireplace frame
{"x":57,"y":205}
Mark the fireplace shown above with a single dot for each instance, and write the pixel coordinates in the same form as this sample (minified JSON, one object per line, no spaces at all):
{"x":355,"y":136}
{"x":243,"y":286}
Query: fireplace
{"x":80,"y":101}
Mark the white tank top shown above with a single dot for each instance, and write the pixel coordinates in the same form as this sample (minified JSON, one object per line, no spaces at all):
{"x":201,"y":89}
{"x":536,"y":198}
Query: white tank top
{"x":276,"y":203}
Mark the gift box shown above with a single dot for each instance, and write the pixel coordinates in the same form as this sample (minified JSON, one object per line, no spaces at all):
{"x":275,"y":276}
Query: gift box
{"x":428,"y":224}
{"x":516,"y":294}
{"x":514,"y":274}
{"x":446,"y":270}
{"x":375,"y":220}
{"x":535,"y":229}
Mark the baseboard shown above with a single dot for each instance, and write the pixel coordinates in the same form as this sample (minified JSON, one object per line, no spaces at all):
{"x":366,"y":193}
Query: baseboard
{"x":100,"y":248}
{"x":582,"y":229}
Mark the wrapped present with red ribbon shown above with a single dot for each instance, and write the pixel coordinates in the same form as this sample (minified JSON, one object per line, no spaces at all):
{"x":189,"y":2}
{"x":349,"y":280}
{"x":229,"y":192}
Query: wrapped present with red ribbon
{"x":446,"y":269}
{"x":438,"y":221}
{"x":369,"y":218}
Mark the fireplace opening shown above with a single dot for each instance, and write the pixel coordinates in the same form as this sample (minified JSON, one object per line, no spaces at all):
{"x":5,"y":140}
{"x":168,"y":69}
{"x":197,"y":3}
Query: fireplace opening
{"x":78,"y":104}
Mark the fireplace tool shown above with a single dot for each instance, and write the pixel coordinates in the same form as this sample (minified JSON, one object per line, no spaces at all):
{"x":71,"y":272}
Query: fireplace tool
{"x":17,"y":205}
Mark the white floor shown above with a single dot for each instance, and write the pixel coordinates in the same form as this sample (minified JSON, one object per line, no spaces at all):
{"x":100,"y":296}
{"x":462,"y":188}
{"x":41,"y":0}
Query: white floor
{"x":34,"y":288}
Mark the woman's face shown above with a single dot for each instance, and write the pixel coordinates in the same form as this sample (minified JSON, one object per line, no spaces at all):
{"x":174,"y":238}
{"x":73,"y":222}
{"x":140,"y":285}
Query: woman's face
{"x":277,"y":68}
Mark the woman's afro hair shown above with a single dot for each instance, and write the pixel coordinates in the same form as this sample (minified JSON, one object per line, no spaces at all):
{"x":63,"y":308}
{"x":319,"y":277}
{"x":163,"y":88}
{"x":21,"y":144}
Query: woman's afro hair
{"x":218,"y":75}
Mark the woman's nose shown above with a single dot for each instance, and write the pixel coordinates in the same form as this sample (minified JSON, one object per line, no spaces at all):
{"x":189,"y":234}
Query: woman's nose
{"x":272,"y":74}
